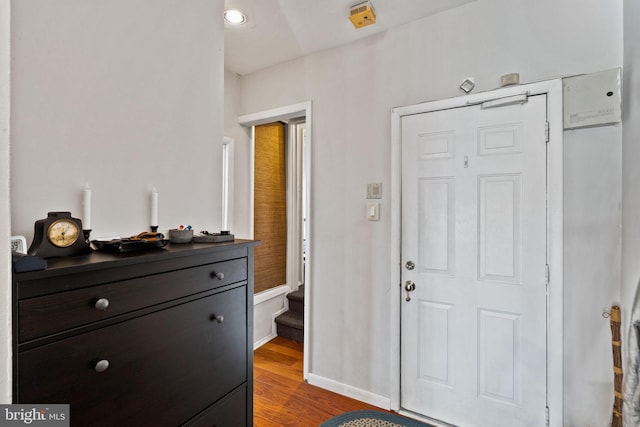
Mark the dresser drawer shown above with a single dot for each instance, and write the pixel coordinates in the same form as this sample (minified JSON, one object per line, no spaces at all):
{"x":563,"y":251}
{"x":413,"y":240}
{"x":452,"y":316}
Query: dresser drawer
{"x":228,"y":412}
{"x":162,"y":367}
{"x":41,"y":316}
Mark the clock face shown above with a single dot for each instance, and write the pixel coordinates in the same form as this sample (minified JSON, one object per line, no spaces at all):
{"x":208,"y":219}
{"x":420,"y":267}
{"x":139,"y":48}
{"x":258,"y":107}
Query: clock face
{"x":63,"y":233}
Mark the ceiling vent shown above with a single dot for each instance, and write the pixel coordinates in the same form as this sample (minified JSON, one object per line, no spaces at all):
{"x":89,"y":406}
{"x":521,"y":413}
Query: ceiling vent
{"x":362,"y":15}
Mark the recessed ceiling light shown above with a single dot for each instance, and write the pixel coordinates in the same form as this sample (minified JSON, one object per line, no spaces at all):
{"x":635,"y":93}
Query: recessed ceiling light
{"x":234,"y":17}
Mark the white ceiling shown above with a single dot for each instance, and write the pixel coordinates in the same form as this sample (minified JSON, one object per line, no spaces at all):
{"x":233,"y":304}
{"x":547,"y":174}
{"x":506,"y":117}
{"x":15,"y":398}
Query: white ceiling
{"x":282,"y":30}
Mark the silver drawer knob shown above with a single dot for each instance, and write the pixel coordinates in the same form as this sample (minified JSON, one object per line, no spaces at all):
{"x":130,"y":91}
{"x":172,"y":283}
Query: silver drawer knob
{"x":219,"y":318}
{"x":102,"y":365}
{"x":218,"y":275}
{"x":102,"y":304}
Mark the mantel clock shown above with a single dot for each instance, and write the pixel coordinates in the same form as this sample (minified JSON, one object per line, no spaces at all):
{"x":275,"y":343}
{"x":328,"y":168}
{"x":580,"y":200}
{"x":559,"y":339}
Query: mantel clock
{"x":58,"y":235}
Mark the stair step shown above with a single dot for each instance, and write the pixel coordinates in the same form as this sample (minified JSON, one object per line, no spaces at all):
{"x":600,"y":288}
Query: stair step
{"x":296,"y":300}
{"x":296,"y":295}
{"x":291,"y":319}
{"x":296,"y":306}
{"x":290,"y":333}
{"x":291,"y":325}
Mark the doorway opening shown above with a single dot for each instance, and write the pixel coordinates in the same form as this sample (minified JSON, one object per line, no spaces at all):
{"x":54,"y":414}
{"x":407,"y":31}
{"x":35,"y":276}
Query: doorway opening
{"x":268,"y":304}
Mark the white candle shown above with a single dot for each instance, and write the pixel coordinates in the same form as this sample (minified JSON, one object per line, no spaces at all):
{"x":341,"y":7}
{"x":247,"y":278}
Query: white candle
{"x":86,"y":208}
{"x":154,"y":208}
{"x":224,"y":218}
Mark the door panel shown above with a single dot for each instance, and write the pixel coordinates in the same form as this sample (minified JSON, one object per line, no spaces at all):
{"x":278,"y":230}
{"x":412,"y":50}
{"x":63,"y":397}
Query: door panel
{"x":437,"y":220}
{"x":474,"y":222}
{"x":500,"y":228}
{"x":499,"y":353}
{"x":435,"y":345}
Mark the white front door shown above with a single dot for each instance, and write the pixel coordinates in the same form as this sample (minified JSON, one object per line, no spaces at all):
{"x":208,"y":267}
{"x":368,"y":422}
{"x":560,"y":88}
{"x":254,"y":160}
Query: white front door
{"x":474,"y":226}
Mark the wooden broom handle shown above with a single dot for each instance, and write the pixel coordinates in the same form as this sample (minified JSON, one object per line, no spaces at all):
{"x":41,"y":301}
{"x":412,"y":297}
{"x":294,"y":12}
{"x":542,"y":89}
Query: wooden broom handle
{"x":616,"y":344}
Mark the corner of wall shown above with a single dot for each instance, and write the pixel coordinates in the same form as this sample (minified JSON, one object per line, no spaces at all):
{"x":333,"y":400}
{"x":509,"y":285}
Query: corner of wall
{"x":5,"y":227}
{"x":630,"y":159}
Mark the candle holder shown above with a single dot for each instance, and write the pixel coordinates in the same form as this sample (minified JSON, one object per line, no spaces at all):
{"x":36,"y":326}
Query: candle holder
{"x":87,"y":234}
{"x":154,"y":228}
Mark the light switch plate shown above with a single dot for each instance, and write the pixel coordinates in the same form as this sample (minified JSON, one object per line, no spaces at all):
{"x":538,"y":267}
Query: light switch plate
{"x":373,"y":211}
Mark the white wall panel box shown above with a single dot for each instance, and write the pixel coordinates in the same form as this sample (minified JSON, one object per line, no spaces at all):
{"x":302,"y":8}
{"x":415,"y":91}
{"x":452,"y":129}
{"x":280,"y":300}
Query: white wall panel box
{"x":592,"y":99}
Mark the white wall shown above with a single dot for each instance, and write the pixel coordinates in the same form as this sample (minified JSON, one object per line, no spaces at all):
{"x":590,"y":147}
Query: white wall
{"x":267,"y":306}
{"x":125,"y":97}
{"x":242,"y":172}
{"x":592,"y":196}
{"x":5,"y":266}
{"x":353,"y":89}
{"x":631,"y":160}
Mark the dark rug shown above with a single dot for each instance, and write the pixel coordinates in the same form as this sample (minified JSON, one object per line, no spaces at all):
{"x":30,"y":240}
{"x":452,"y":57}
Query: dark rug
{"x":371,"y":419}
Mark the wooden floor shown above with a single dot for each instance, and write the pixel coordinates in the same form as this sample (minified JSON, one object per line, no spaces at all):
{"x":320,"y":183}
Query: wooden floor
{"x":282,"y":398}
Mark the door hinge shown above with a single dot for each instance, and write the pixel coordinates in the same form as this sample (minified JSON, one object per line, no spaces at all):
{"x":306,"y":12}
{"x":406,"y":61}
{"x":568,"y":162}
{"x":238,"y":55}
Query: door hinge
{"x":546,"y":131}
{"x":546,"y":416}
{"x":547,"y":274}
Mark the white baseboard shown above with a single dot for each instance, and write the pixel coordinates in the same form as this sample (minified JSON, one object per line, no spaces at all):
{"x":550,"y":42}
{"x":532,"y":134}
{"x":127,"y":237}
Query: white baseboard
{"x":264,"y":340}
{"x":274,"y":330}
{"x":349,"y":391}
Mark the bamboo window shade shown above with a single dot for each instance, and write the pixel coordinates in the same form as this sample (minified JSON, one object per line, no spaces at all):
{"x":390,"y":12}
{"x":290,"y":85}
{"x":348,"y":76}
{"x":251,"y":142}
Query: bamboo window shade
{"x":270,"y":207}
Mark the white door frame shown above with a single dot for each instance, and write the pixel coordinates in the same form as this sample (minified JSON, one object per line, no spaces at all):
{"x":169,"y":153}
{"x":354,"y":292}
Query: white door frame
{"x":227,"y":182}
{"x":288,"y":112}
{"x":553,"y":89}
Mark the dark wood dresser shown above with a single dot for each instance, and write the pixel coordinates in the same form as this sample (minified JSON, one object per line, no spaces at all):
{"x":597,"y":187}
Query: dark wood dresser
{"x":153,"y":338}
